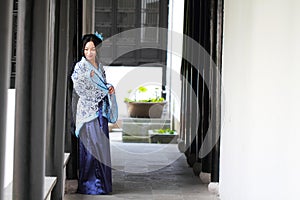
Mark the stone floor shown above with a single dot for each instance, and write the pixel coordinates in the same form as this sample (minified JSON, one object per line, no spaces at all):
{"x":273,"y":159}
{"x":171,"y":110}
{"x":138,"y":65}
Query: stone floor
{"x":148,"y":172}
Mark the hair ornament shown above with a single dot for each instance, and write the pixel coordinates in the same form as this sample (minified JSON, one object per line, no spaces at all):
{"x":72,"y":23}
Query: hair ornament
{"x":99,"y":35}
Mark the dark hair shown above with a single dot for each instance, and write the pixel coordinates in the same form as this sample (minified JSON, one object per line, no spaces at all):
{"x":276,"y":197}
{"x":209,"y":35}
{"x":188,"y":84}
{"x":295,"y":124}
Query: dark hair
{"x":89,"y":38}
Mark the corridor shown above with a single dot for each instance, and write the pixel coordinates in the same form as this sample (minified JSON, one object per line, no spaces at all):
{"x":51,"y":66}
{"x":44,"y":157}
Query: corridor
{"x":148,"y":171}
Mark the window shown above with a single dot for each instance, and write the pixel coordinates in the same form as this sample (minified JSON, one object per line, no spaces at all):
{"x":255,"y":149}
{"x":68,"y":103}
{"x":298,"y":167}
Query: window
{"x":14,"y":45}
{"x":116,"y":16}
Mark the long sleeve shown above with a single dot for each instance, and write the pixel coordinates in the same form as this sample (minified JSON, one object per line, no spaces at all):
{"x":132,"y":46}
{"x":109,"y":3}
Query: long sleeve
{"x":91,"y":91}
{"x":87,"y":87}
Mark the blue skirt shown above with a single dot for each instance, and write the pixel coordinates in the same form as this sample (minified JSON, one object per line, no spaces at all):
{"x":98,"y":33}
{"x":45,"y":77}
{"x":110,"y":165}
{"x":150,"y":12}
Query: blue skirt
{"x":94,"y":158}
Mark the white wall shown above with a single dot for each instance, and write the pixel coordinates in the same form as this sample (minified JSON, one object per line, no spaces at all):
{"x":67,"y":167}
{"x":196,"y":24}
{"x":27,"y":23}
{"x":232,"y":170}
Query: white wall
{"x":126,"y":78}
{"x":130,"y":78}
{"x":260,"y":140}
{"x":9,"y":144}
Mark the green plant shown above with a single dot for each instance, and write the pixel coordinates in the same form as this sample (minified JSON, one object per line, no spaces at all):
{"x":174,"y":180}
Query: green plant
{"x":143,"y":90}
{"x":164,"y":131}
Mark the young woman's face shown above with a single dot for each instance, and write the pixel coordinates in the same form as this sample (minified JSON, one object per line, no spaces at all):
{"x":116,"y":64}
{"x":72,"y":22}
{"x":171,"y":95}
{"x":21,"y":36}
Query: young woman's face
{"x":90,"y":51}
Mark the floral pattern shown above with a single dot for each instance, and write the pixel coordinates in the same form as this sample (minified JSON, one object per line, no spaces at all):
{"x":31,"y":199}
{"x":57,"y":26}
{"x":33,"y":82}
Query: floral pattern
{"x":91,"y":91}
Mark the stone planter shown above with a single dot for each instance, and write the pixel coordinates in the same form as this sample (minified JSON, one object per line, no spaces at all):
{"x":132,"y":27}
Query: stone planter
{"x":145,"y":109}
{"x":162,"y":138}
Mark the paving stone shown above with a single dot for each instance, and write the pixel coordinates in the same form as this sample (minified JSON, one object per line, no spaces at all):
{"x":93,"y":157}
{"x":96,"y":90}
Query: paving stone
{"x":166,"y":175}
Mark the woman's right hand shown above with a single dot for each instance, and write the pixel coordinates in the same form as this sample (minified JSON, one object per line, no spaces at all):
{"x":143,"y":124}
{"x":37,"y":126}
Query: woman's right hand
{"x":92,"y":73}
{"x":111,"y":90}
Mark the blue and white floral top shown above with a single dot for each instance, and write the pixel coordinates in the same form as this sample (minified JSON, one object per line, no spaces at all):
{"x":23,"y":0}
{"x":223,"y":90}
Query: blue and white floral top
{"x":91,"y":91}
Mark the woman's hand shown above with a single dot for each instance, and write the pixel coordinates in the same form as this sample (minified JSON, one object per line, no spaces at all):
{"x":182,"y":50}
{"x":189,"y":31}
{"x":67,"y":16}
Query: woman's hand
{"x":111,"y":90}
{"x":92,"y":73}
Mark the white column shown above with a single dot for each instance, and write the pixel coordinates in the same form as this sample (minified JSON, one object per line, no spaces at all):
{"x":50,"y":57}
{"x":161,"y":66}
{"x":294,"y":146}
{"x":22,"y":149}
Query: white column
{"x":176,"y":12}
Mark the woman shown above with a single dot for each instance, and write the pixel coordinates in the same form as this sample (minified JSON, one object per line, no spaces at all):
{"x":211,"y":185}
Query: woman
{"x":91,"y":120}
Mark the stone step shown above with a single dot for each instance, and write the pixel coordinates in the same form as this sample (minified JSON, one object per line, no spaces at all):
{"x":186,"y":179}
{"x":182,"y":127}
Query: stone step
{"x":145,"y":120}
{"x":140,"y":126}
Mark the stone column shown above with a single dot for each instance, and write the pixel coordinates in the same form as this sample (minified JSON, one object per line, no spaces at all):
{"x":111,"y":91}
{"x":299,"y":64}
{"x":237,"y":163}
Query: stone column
{"x":57,"y":104}
{"x":6,"y":12}
{"x":31,"y":89}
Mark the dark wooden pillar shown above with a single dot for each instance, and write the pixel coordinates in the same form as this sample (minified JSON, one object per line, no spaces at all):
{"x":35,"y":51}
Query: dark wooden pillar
{"x":5,"y":65}
{"x":75,"y":35}
{"x":31,"y":89}
{"x":217,"y":13}
{"x":57,"y":87}
{"x":203,"y":21}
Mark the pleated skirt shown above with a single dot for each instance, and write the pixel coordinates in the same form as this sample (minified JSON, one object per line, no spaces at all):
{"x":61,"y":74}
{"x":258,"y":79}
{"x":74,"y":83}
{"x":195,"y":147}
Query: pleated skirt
{"x":94,"y":158}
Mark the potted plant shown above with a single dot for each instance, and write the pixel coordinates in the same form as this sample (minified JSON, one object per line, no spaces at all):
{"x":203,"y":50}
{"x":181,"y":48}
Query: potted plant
{"x":163,"y":136}
{"x":143,"y":105}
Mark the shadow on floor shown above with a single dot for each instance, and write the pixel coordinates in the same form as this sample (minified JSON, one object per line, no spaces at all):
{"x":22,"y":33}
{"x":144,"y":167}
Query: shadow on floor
{"x":148,"y":171}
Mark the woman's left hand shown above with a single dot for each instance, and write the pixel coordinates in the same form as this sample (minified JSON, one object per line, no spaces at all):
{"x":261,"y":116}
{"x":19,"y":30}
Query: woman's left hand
{"x":111,"y":90}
